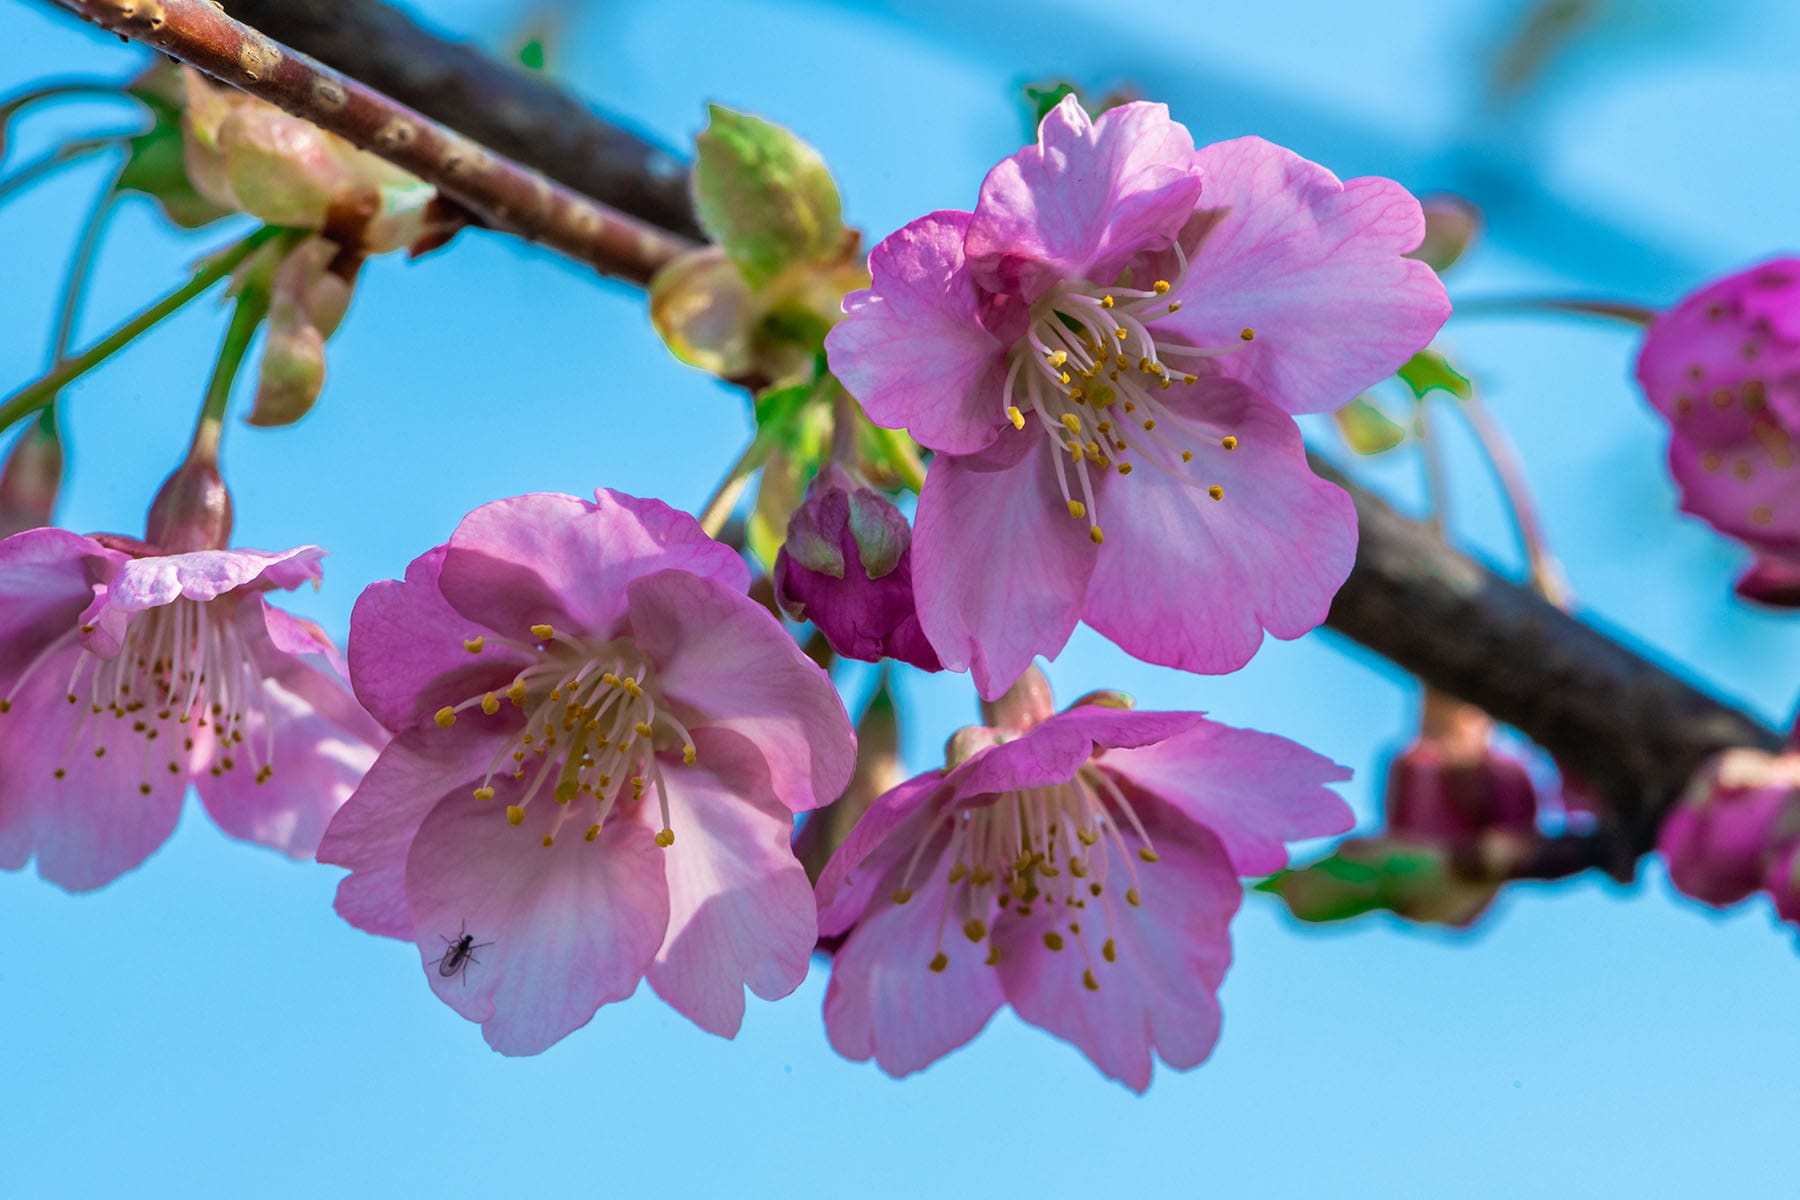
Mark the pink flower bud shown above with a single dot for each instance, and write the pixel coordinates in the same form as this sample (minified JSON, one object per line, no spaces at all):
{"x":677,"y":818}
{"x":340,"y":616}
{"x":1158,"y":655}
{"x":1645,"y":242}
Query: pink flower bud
{"x":306,"y":302}
{"x":1739,"y":814}
{"x":192,"y":511}
{"x":1026,"y":703}
{"x":30,"y":480}
{"x":1451,"y":784}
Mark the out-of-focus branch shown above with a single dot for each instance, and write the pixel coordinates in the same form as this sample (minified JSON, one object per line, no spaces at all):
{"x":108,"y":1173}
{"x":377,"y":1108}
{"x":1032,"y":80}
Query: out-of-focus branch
{"x":523,"y":116}
{"x":1630,"y":730}
{"x":501,"y":193}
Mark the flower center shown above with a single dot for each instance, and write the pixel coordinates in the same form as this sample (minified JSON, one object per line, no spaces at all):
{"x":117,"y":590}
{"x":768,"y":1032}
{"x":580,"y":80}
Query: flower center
{"x":182,"y":669}
{"x":1045,"y":848}
{"x":593,"y":727}
{"x":1091,"y":374}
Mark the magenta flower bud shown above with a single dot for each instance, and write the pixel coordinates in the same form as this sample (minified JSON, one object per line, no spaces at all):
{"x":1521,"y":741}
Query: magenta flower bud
{"x":1740,"y":813}
{"x":847,"y":567}
{"x":1783,"y":884}
{"x":307,"y":300}
{"x":1723,"y":367}
{"x":30,"y":480}
{"x":1451,"y":784}
{"x":192,"y":511}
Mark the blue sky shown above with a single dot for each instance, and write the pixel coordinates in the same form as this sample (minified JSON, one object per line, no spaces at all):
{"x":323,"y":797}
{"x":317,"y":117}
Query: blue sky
{"x":206,"y":1024}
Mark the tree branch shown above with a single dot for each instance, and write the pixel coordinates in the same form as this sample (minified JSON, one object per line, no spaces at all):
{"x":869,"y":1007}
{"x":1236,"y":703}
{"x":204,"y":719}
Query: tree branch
{"x":502,"y":193}
{"x":1629,"y":729}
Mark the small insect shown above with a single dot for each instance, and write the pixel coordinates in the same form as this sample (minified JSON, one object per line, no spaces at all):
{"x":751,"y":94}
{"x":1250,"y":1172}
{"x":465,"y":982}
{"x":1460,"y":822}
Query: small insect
{"x":459,"y":952}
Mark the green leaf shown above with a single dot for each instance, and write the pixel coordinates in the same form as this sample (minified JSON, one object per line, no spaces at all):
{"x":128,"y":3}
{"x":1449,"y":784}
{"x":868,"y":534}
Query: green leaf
{"x":1040,"y":98}
{"x":764,"y":195}
{"x":531,"y":55}
{"x":1427,"y":370}
{"x":1366,"y":429}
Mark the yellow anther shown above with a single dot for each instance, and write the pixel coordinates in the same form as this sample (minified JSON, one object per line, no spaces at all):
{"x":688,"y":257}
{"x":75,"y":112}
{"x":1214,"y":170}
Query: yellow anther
{"x":1160,"y":287}
{"x":981,"y":877}
{"x":1015,"y":416}
{"x":516,"y":693}
{"x":565,"y":790}
{"x":1106,"y":302}
{"x":1077,"y":394}
{"x":1108,"y":951}
{"x":637,"y":787}
{"x":1124,"y":468}
{"x":901,"y":895}
{"x":593,"y":831}
{"x":1093,"y":448}
{"x":515,"y":815}
{"x":609,"y":679}
{"x":484,"y":792}
{"x":1132,"y":898}
{"x":1078,"y":868}
{"x":549,"y":841}
{"x":446,"y":717}
{"x":529,"y":738}
{"x":1077,"y":509}
{"x":1065,"y":377}
{"x":1174,"y":305}
{"x":1149,"y":424}
{"x":688,"y":754}
{"x":1074,"y":449}
{"x":1088,"y":981}
{"x":1216,"y":492}
{"x":975,"y":930}
{"x":1187,"y":456}
{"x":665,"y":838}
{"x":644,"y":729}
{"x":1249,"y":334}
{"x":543,"y":633}
{"x":631,"y":686}
{"x":473,"y":645}
{"x":939,"y":961}
{"x":490,"y":704}
{"x":1057,"y":357}
{"x":1088,"y":837}
{"x":1122,"y":333}
{"x":1094,"y":535}
{"x":1147,"y":854}
{"x":1071,"y":422}
{"x":993,"y":958}
{"x":1190,"y":378}
{"x":1230,"y":443}
{"x":1053,"y":940}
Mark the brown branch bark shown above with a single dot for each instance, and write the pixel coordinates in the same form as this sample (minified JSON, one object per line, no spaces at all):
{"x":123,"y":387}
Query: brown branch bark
{"x":500,"y":192}
{"x":523,"y":116}
{"x":1631,"y":730}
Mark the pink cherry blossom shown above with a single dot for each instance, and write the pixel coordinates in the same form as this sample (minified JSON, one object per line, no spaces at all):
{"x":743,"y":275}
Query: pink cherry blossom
{"x":1723,"y":367}
{"x":600,"y":743}
{"x":127,"y":674}
{"x":1105,"y":354}
{"x":1081,"y":867}
{"x":1737,"y":821}
{"x":1452,"y":784}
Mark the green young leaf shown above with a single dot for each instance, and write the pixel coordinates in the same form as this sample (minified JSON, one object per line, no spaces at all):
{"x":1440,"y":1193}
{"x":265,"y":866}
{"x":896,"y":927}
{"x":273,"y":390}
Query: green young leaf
{"x":1427,"y":370}
{"x":1366,"y":429}
{"x":531,"y":54}
{"x":1040,"y":98}
{"x":764,"y":195}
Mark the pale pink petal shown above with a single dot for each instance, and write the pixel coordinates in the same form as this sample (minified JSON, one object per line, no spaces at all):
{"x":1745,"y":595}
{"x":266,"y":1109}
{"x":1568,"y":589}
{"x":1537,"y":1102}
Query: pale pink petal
{"x":1254,"y":791}
{"x":47,"y":579}
{"x":725,"y":662}
{"x":999,"y":566}
{"x":299,"y":636}
{"x":741,"y":912}
{"x":885,"y":832}
{"x":1051,"y":753}
{"x":1315,"y":267}
{"x":1159,"y":991}
{"x":408,"y":649}
{"x":1191,"y":582}
{"x":208,"y":574}
{"x":1082,"y":201}
{"x":567,"y":927}
{"x":106,"y":814}
{"x":554,"y":559}
{"x":372,"y":832}
{"x":885,"y":1002}
{"x":913,"y":349}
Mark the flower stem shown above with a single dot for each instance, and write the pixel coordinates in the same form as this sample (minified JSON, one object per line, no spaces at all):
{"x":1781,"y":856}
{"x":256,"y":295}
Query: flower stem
{"x":80,"y":267}
{"x":1431,"y":458}
{"x":1519,"y":306}
{"x":246,"y":317}
{"x":717,"y":509}
{"x":1546,"y":576}
{"x":62,"y":156}
{"x":41,"y":392}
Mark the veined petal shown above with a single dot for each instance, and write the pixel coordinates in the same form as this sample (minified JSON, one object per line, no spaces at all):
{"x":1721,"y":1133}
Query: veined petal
{"x":1314,"y":266}
{"x":1253,"y":791}
{"x":741,"y":912}
{"x":555,"y":559}
{"x":727,"y":663}
{"x":1157,"y":990}
{"x":913,"y":348}
{"x":1084,"y":200}
{"x":999,"y":567}
{"x":1051,"y":753}
{"x":47,"y":579}
{"x":880,"y":838}
{"x":567,"y":927}
{"x":143,"y":583}
{"x":1191,"y":582}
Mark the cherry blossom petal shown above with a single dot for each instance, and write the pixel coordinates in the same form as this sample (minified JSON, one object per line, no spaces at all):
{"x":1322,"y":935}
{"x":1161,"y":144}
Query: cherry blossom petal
{"x":999,"y":567}
{"x":1158,"y":991}
{"x":555,"y":559}
{"x":1051,"y":753}
{"x":1191,"y":582}
{"x":1254,"y":791}
{"x":47,"y":579}
{"x":143,"y":583}
{"x":1082,"y":201}
{"x":849,"y":880}
{"x":913,"y":349}
{"x":1314,"y":266}
{"x":727,"y":663}
{"x":567,"y":927}
{"x":741,"y":912}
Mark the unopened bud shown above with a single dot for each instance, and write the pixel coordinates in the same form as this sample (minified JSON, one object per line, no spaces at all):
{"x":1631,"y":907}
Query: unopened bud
{"x":1451,"y":226}
{"x":192,"y":511}
{"x":30,"y":480}
{"x":1026,"y":703}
